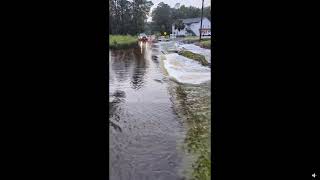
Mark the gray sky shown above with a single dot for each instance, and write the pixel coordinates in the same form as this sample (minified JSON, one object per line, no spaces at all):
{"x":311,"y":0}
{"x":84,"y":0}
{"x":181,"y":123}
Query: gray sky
{"x":171,"y":3}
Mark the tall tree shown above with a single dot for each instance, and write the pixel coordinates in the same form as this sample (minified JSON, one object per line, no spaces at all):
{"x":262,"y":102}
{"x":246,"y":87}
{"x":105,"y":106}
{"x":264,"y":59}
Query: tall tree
{"x":126,"y":17}
{"x":207,"y":12}
{"x":141,"y":9}
{"x":161,"y":15}
{"x":111,"y":16}
{"x":179,"y":25}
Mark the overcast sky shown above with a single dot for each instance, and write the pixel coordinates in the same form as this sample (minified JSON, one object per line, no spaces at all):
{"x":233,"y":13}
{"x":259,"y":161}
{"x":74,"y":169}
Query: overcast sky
{"x":171,"y":3}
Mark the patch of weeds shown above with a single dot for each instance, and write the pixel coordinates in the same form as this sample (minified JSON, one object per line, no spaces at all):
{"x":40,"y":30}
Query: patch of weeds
{"x":198,"y":57}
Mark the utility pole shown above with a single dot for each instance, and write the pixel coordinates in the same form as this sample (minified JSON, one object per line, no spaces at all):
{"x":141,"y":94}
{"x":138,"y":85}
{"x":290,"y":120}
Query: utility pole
{"x":201,"y":20}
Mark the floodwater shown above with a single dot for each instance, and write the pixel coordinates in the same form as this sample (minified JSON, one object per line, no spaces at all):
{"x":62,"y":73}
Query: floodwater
{"x":155,"y":123}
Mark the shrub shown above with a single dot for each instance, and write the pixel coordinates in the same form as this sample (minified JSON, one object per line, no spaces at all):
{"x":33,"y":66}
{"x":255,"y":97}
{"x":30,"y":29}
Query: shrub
{"x":198,"y":57}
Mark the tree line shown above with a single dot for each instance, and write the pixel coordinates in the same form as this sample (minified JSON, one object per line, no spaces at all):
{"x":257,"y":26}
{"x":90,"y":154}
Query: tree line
{"x":130,"y":17}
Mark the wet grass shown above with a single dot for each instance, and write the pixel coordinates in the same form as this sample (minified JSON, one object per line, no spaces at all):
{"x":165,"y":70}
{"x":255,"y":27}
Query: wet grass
{"x":205,"y":44}
{"x":198,"y":57}
{"x":122,"y":41}
{"x":193,"y":106}
{"x":191,"y":39}
{"x":194,"y":39}
{"x":198,"y":143}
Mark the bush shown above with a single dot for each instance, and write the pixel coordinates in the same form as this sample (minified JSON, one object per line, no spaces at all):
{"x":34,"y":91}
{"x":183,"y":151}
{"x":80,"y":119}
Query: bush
{"x":198,"y":57}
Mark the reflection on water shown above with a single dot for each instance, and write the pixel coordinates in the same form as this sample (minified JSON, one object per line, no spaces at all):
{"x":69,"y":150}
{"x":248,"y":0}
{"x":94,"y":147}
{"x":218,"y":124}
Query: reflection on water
{"x":145,"y":132}
{"x":126,"y":62}
{"x":139,"y":70}
{"x":114,"y":109}
{"x":158,"y":129}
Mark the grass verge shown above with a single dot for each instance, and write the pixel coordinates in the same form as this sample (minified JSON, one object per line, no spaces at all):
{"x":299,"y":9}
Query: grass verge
{"x":205,"y":44}
{"x":122,"y":41}
{"x":198,"y":57}
{"x":193,"y":39}
{"x":193,"y":106}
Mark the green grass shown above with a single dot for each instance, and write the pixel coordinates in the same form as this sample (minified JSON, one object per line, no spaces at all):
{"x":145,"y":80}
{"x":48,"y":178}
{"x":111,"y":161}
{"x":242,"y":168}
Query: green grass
{"x":122,"y":41}
{"x":193,"y":39}
{"x":205,"y":44}
{"x":194,"y":108}
{"x":198,"y":57}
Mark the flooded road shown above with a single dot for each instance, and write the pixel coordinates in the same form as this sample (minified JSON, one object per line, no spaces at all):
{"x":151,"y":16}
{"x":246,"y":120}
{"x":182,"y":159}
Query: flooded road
{"x":155,"y":122}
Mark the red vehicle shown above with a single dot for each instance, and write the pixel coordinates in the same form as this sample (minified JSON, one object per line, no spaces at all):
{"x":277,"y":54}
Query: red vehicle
{"x":143,"y":37}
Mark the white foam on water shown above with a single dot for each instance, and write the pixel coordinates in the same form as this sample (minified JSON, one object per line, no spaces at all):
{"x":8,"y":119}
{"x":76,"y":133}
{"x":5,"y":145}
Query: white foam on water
{"x":198,"y":50}
{"x":185,"y":70}
{"x":168,"y":46}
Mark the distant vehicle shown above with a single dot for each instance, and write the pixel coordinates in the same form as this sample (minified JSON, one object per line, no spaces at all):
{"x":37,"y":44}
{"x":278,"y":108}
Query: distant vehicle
{"x":143,"y":37}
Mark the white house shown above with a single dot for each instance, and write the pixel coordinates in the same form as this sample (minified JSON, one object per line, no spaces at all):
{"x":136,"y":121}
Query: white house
{"x":192,"y":27}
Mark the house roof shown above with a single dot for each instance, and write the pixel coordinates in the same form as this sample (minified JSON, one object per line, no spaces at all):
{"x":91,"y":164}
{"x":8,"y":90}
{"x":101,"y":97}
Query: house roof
{"x":192,"y":20}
